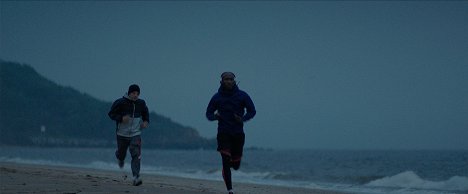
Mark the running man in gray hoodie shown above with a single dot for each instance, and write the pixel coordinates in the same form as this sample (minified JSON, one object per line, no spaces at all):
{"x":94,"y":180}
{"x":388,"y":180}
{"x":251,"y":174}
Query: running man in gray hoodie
{"x":131,"y":116}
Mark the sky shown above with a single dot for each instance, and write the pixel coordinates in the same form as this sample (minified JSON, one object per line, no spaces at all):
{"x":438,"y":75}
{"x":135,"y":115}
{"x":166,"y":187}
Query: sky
{"x":323,"y":75}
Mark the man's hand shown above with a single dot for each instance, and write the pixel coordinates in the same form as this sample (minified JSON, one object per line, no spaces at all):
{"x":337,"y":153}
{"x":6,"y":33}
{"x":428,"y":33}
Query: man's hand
{"x":217,"y":116}
{"x":144,"y":125}
{"x":126,"y":119}
{"x":238,"y":118}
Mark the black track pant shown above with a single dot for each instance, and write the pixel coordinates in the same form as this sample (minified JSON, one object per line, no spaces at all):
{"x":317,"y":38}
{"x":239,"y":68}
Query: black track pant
{"x":133,"y":144}
{"x":231,"y":147}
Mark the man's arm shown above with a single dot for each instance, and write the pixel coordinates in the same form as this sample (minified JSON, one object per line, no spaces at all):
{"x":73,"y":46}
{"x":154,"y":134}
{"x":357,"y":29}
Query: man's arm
{"x":145,"y":113}
{"x":210,"y":110}
{"x":114,"y":112}
{"x":144,"y":116}
{"x":249,"y":105}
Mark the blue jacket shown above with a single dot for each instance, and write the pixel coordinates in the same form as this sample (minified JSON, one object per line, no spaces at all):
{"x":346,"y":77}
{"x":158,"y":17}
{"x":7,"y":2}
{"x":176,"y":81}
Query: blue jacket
{"x":227,"y":104}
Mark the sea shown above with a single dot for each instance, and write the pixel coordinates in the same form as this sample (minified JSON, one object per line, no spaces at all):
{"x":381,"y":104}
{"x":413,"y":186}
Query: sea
{"x":352,"y":171}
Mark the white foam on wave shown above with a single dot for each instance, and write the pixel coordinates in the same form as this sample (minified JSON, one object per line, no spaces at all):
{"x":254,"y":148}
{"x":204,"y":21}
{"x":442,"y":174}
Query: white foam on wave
{"x":263,"y":178}
{"x":33,"y":161}
{"x":92,"y":165}
{"x":213,"y":174}
{"x":410,"y":180}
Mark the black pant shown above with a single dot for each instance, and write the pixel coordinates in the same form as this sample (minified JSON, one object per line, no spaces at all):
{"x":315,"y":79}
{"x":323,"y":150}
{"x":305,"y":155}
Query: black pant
{"x":231,"y":147}
{"x":134,"y":143}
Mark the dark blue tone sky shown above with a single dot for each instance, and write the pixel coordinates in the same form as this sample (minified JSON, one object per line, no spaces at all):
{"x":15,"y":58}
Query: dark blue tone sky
{"x":335,"y":75}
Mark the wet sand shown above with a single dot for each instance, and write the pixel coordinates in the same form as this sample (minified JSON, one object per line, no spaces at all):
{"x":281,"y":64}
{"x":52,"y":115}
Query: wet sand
{"x":27,"y":178}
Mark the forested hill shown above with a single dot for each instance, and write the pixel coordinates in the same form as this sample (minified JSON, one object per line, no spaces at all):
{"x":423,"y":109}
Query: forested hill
{"x":35,"y":111}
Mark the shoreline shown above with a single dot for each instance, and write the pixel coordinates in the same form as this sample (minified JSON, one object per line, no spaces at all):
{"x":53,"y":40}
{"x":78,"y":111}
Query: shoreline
{"x":34,"y":178}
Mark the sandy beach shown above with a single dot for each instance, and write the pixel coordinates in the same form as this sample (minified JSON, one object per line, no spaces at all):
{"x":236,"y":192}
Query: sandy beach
{"x":26,"y":178}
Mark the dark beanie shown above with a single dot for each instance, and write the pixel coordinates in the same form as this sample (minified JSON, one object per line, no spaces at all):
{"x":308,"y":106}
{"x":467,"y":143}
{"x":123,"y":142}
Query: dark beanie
{"x":227,"y":73}
{"x":133,"y":88}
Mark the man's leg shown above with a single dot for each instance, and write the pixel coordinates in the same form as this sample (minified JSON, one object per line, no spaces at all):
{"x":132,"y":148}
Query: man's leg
{"x":227,"y":171}
{"x":121,"y":152}
{"x":224,"y":148}
{"x":235,"y":163}
{"x":237,"y":150}
{"x":135,"y":151}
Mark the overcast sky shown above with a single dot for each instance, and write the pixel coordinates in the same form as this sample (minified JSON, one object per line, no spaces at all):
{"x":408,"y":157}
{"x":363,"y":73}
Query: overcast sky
{"x":334,"y":75}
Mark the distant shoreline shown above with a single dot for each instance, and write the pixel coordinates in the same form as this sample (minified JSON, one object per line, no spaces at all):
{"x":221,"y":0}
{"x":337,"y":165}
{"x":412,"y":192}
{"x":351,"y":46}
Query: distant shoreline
{"x":27,"y":178}
{"x":250,"y":148}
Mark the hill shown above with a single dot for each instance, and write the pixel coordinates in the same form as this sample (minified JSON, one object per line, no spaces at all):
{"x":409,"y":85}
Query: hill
{"x":35,"y":111}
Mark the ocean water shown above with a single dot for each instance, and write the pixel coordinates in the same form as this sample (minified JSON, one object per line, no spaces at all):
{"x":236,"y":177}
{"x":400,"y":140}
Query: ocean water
{"x":349,"y":171}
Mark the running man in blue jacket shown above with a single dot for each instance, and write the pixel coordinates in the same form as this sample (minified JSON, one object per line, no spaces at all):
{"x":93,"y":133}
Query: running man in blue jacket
{"x":228,"y":106}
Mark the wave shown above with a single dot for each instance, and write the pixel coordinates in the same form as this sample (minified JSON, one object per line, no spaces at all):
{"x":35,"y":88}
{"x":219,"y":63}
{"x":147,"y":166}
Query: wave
{"x":33,"y":161}
{"x":213,"y":174}
{"x":410,"y":180}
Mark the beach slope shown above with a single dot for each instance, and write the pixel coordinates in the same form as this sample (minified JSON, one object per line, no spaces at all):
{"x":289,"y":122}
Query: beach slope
{"x":26,"y":178}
